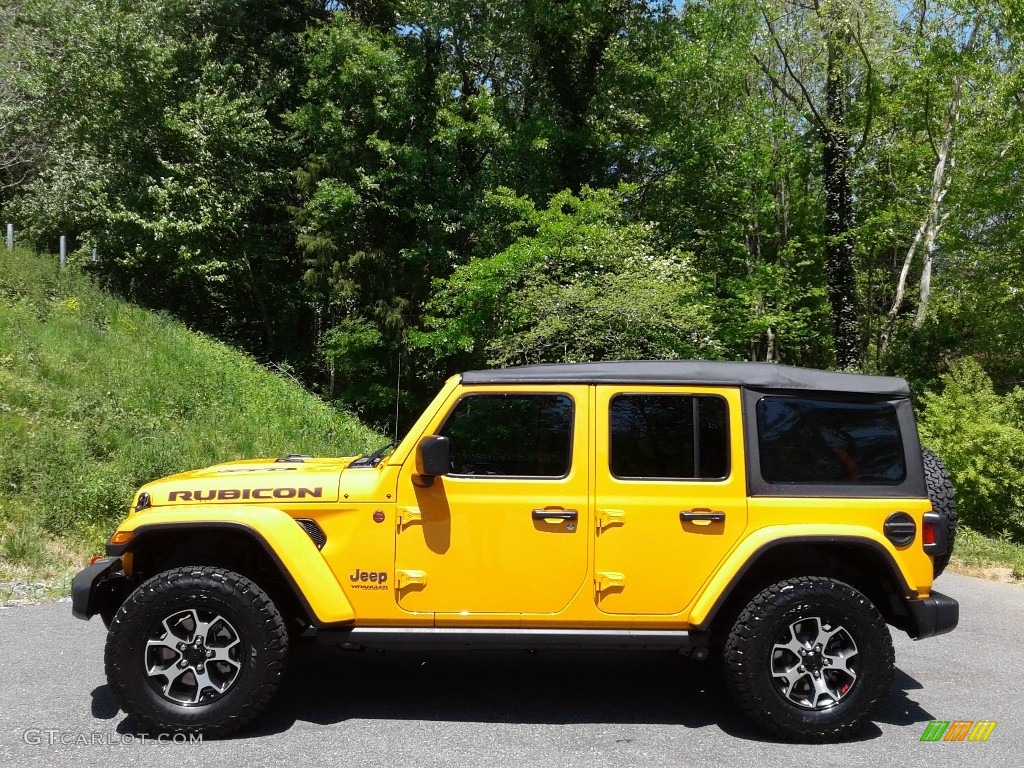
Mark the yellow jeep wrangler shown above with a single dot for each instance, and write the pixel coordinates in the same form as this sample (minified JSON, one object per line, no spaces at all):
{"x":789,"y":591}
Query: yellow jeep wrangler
{"x":776,"y":517}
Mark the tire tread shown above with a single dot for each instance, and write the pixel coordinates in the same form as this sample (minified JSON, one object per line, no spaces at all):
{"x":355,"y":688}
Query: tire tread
{"x":158,"y":590}
{"x":943,"y":499}
{"x":741,"y":667}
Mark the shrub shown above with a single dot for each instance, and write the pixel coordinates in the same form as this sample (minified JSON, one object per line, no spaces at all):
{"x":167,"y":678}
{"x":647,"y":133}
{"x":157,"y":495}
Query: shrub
{"x":980,"y":436}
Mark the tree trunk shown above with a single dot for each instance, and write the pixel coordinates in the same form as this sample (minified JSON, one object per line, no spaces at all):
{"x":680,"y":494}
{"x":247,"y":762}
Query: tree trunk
{"x":945,"y":161}
{"x":901,"y":285}
{"x":936,"y":223}
{"x":842,"y":286}
{"x":928,"y":231}
{"x":261,"y":305}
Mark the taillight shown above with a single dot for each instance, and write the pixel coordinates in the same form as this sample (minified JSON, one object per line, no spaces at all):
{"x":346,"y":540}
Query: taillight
{"x":928,"y":533}
{"x":933,"y":534}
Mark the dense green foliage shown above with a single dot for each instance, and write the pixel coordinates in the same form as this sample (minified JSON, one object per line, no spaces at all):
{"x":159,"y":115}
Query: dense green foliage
{"x":980,"y":437}
{"x":374,"y":194}
{"x":580,"y":283}
{"x":98,"y":396}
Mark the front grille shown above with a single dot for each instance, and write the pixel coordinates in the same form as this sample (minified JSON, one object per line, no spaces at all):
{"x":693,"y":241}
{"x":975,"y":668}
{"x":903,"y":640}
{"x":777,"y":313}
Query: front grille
{"x":315,"y":532}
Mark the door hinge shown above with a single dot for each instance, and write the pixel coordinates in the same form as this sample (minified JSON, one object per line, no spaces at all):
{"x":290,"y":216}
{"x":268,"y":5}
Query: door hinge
{"x":407,"y":515}
{"x":606,"y":517}
{"x":607,"y":580}
{"x":410,"y":578}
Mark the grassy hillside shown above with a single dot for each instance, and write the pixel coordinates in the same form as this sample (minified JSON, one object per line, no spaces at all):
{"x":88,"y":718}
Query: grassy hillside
{"x":98,"y":396}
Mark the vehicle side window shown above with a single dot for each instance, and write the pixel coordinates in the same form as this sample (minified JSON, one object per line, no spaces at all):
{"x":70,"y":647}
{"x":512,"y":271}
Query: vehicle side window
{"x":513,"y":435}
{"x":673,"y":437}
{"x":820,"y":441}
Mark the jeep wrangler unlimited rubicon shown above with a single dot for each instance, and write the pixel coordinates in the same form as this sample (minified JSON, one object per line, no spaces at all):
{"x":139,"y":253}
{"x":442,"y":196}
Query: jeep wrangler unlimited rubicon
{"x":777,"y":517}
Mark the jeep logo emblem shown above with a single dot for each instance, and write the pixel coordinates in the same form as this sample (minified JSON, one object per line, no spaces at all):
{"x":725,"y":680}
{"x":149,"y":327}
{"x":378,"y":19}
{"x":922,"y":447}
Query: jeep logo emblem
{"x":377,"y":577}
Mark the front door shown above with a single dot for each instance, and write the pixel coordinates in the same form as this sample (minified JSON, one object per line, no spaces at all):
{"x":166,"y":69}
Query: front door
{"x":507,"y":530}
{"x":670,"y":494}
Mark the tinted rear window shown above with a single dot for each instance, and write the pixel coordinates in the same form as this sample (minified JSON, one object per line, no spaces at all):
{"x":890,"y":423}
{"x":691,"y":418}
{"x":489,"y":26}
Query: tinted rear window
{"x":821,"y":441}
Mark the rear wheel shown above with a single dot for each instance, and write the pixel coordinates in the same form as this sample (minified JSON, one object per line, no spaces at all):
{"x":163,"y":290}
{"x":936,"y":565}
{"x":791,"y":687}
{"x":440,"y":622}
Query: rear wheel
{"x":196,"y":650}
{"x":809,"y":659}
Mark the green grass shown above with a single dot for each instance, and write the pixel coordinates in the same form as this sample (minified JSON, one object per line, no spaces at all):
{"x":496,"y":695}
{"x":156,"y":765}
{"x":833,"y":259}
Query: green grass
{"x":25,"y":545}
{"x":975,"y":551}
{"x":98,"y":397}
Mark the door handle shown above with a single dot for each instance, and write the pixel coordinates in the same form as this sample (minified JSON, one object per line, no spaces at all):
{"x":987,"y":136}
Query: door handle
{"x":702,"y":514}
{"x":555,"y":514}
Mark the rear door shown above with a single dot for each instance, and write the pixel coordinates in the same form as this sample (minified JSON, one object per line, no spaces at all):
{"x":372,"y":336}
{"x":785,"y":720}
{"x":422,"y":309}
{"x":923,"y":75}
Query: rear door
{"x":670,"y":493}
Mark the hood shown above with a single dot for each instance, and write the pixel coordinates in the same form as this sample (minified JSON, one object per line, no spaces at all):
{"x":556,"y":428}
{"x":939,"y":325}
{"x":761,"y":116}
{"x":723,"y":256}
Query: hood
{"x":275,"y":481}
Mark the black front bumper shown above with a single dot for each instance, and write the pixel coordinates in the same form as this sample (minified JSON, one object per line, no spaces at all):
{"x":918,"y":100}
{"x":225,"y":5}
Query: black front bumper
{"x":98,"y":589}
{"x":935,"y":615}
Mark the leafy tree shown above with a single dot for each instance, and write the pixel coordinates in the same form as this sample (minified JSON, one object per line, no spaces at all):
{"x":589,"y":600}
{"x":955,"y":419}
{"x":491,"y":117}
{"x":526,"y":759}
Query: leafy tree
{"x":580,"y":283}
{"x":166,"y":151}
{"x":819,"y":58}
{"x":415,"y":113}
{"x":935,"y":187}
{"x":395,"y":148}
{"x":934,"y":81}
{"x":20,"y":144}
{"x":379,"y":192}
{"x":722,"y":168}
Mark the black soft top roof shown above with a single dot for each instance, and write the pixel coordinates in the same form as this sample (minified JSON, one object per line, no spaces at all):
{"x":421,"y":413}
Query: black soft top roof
{"x":753,"y":375}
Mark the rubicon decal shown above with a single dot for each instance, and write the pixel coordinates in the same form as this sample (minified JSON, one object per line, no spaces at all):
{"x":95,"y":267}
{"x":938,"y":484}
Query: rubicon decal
{"x":958,"y":730}
{"x":241,"y":494}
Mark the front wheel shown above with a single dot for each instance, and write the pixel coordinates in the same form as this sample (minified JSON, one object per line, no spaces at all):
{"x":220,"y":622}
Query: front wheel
{"x":809,"y":659}
{"x":196,"y":650}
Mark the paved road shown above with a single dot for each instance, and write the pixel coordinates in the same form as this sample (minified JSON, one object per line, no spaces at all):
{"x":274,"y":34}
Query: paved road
{"x":514,"y":709}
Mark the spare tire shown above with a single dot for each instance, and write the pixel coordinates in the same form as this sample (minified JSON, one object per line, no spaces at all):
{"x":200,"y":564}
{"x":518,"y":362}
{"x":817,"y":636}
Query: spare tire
{"x":943,"y":498}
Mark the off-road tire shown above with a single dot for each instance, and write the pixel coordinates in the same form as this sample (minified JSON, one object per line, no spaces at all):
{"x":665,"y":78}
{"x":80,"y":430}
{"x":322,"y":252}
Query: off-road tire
{"x":752,"y":654}
{"x":943,"y":498}
{"x":230,"y":616}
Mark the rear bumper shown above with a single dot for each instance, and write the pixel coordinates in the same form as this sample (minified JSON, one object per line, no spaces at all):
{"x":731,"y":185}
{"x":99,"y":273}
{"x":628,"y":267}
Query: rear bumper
{"x":98,"y":589}
{"x":935,"y":615}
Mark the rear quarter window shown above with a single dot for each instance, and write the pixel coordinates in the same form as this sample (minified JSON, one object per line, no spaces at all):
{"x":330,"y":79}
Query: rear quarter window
{"x":803,"y":440}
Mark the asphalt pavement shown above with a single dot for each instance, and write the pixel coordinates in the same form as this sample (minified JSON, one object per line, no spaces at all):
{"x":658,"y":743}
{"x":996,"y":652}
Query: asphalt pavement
{"x":557,"y":709}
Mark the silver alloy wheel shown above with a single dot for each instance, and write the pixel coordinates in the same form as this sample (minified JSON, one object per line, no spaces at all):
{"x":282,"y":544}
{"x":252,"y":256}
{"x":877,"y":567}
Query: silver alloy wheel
{"x":814,"y":663}
{"x":193,"y":657}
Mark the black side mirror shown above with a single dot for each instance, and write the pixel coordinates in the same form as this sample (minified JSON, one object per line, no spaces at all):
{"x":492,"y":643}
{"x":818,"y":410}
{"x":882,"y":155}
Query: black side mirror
{"x":433,"y":454}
